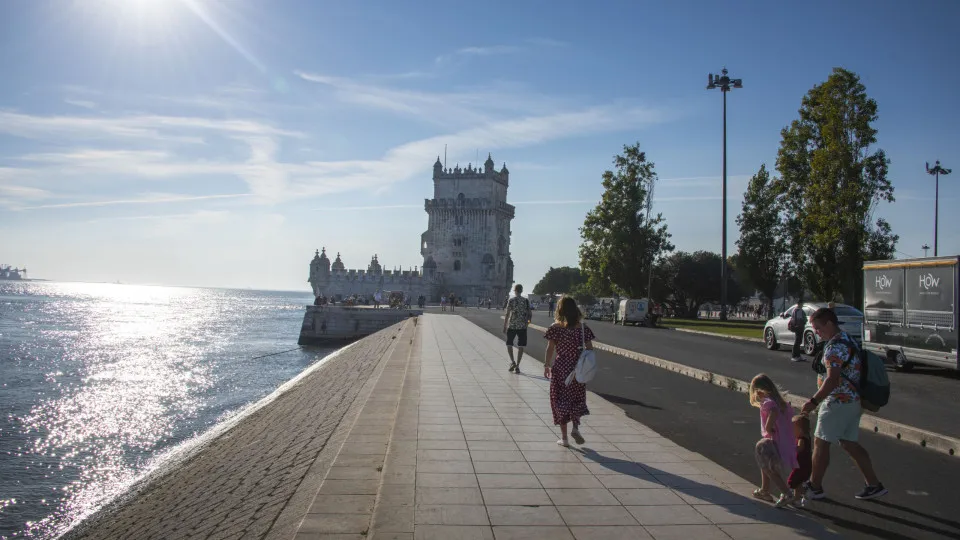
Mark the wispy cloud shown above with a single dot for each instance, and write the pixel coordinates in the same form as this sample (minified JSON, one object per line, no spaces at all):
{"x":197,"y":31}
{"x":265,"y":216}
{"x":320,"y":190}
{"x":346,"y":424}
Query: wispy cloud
{"x":80,"y":103}
{"x":144,"y":200}
{"x":476,"y":51}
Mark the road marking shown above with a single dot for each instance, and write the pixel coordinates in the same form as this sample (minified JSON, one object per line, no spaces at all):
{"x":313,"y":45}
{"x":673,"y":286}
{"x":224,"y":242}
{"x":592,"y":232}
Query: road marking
{"x":902,"y":432}
{"x":917,"y":493}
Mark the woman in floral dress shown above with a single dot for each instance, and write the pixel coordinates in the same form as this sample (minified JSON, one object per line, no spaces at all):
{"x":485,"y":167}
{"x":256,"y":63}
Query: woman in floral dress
{"x":565,"y":339}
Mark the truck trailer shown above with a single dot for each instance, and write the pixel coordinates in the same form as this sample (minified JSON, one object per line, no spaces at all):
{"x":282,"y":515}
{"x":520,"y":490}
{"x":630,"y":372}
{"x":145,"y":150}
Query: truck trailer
{"x":910,"y":311}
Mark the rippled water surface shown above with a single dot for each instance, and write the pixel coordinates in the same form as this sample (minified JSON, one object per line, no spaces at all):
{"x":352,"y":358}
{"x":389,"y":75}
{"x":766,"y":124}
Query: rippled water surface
{"x":97,"y":380}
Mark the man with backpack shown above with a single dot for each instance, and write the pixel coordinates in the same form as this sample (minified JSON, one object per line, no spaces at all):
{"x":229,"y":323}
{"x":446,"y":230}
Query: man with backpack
{"x":797,"y":324}
{"x":840,"y":374}
{"x":515,"y":322}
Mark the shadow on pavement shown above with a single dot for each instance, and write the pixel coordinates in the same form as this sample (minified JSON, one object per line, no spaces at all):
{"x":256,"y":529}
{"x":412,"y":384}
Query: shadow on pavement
{"x":881,"y":532}
{"x":693,"y":492}
{"x":627,"y":401}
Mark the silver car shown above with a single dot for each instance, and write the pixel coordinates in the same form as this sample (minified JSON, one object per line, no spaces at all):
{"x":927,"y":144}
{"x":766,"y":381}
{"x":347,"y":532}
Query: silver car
{"x":776,"y":333}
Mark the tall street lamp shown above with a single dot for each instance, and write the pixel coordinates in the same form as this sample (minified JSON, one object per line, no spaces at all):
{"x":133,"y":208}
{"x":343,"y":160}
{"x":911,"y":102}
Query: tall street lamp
{"x":936,"y":171}
{"x":925,"y":248}
{"x":724,"y":83}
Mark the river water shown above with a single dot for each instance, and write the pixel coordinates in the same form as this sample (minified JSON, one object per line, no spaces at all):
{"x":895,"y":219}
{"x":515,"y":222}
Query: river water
{"x":100,"y":383}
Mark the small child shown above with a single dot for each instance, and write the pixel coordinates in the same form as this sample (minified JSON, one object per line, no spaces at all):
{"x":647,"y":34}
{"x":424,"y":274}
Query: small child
{"x":776,"y":448}
{"x":801,"y":473}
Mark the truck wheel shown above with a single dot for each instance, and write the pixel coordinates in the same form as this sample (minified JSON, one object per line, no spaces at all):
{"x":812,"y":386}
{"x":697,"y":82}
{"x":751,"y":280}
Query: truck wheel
{"x":770,"y":340}
{"x":809,"y":343}
{"x":900,"y":362}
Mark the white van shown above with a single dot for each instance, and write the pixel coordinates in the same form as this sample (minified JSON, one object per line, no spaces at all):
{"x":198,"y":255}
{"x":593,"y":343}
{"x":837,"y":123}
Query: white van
{"x":635,"y":311}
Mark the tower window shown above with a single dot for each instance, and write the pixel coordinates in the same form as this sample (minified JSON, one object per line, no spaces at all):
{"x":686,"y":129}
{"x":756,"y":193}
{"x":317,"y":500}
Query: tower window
{"x":456,"y":266}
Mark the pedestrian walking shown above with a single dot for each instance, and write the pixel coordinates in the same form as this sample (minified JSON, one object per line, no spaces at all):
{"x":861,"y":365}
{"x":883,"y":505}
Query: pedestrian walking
{"x":551,"y":305}
{"x":452,"y":302}
{"x":838,"y":403}
{"x":515,"y":321}
{"x":775,"y":449}
{"x":565,"y":337}
{"x":797,"y":325}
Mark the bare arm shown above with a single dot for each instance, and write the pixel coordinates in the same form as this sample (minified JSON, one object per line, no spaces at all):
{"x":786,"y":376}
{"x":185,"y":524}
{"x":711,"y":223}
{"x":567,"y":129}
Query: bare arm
{"x":548,"y":358}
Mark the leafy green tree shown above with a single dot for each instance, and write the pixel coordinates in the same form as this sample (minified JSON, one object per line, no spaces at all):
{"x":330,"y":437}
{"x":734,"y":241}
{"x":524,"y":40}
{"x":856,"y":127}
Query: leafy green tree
{"x":685,"y":281}
{"x":559,"y":280}
{"x":762,"y":244}
{"x":620,"y":241}
{"x":583,"y":294}
{"x":830,"y":183}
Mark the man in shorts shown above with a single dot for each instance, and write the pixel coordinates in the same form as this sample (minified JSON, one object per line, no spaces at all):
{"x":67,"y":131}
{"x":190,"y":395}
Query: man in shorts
{"x":515,"y":321}
{"x":838,"y":399}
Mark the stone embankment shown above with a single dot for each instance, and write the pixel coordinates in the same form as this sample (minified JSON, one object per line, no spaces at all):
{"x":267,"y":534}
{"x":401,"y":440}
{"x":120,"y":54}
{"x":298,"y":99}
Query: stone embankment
{"x":257,"y":479}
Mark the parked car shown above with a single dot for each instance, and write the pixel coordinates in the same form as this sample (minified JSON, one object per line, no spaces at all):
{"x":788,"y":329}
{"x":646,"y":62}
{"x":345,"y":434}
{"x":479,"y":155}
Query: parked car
{"x":776,"y":333}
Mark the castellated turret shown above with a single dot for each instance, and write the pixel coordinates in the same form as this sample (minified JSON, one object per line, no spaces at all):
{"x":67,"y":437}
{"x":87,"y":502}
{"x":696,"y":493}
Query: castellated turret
{"x":465,"y":249}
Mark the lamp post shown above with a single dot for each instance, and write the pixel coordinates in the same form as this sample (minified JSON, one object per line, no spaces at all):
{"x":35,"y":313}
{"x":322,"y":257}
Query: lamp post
{"x":925,"y":248}
{"x":724,"y":83}
{"x":936,"y":171}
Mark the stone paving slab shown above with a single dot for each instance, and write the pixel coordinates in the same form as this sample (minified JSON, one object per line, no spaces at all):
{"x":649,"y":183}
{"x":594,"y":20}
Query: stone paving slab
{"x":473,"y":454}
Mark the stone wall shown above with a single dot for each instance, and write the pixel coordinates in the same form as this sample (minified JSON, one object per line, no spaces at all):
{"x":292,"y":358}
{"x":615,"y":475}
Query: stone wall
{"x":337,"y":324}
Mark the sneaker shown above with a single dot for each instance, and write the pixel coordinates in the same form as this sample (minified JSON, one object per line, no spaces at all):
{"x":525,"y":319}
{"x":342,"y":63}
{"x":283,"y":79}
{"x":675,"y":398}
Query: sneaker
{"x":797,"y":359}
{"x":812,"y":494}
{"x":563,"y":443}
{"x":513,"y":366}
{"x":872,"y":492}
{"x":577,"y":437}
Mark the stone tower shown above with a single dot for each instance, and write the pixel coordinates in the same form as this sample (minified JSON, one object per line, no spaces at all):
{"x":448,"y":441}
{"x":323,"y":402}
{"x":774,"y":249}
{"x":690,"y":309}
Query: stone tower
{"x":467,"y":242}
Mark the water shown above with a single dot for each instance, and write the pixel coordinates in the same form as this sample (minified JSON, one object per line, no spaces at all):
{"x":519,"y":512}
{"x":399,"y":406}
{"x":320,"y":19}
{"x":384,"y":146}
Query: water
{"x":99,"y":381}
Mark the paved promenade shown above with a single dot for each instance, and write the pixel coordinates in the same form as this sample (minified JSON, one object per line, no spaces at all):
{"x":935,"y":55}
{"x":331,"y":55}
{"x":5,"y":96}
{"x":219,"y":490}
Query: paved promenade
{"x":451,"y":445}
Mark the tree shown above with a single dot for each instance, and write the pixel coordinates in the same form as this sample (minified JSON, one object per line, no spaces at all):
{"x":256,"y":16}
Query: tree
{"x":830,"y":183}
{"x":559,"y":280}
{"x":620,"y":240}
{"x":685,"y":281}
{"x":762,"y":243}
{"x":583,"y":295}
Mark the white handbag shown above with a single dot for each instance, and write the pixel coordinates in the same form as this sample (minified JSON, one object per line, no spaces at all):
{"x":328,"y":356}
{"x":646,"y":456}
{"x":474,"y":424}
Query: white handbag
{"x":587,"y":363}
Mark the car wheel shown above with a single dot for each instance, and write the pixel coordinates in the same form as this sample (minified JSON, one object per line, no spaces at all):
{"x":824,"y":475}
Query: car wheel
{"x":900,"y":362}
{"x":770,"y":339}
{"x":809,"y":343}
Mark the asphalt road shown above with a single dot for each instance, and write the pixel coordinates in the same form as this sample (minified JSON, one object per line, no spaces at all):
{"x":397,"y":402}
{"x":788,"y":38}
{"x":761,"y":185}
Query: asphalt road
{"x":721,"y":425}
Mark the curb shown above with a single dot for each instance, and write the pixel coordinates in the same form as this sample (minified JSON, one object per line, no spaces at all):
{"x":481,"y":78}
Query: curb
{"x":901,"y":432}
{"x":721,"y":336}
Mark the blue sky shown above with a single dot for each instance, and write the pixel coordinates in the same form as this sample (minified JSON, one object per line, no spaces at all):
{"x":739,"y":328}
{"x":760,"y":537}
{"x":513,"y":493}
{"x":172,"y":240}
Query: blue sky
{"x":186,"y":142}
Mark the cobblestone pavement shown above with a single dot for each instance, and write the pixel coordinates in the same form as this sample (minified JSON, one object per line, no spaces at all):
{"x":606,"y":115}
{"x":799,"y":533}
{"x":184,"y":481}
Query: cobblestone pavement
{"x":457,"y":447}
{"x":238,"y":486}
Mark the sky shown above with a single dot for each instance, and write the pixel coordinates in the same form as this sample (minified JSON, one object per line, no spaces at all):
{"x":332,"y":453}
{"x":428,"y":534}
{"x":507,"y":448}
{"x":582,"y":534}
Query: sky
{"x":202,"y":143}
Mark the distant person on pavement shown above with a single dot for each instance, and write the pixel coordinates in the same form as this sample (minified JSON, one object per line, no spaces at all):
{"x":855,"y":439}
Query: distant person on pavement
{"x":551,"y":305}
{"x":838,"y":404}
{"x":797,"y":324}
{"x":453,"y":302}
{"x":515,"y":322}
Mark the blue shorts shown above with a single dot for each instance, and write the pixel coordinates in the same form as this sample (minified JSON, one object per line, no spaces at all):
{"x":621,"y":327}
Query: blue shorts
{"x":838,"y":421}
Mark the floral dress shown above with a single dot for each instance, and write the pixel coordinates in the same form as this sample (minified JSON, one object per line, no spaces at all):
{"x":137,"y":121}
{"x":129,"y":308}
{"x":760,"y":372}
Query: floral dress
{"x":568,"y":403}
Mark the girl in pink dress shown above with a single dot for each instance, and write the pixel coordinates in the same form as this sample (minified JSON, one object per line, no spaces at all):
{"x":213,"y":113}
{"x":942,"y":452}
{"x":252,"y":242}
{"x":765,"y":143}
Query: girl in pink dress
{"x":776,"y":448}
{"x":565,"y":339}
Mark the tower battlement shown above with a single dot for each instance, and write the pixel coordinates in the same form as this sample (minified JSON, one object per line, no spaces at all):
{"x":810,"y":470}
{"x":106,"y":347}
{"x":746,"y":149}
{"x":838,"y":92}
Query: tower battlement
{"x":470,"y":173}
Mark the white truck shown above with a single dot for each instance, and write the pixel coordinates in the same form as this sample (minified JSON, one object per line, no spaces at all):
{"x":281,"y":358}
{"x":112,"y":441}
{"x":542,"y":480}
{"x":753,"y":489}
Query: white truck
{"x":635,"y":311}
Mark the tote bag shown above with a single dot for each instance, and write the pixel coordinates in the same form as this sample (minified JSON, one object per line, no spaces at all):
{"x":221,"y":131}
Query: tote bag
{"x":587,"y":363}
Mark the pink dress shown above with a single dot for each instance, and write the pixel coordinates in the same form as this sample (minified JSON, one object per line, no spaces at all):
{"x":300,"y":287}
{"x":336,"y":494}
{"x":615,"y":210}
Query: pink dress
{"x":568,"y":403}
{"x":783,"y":437}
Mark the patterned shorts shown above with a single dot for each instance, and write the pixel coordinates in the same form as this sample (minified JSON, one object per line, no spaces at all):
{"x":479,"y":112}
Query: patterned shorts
{"x":768,"y":457}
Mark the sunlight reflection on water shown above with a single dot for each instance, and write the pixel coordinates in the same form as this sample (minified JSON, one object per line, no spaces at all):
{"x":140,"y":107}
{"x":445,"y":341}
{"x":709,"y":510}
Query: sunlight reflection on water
{"x":98,"y":379}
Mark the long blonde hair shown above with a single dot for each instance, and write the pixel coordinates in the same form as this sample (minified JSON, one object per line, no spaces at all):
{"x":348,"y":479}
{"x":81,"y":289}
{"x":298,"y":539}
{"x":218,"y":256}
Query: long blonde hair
{"x":763,"y":383}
